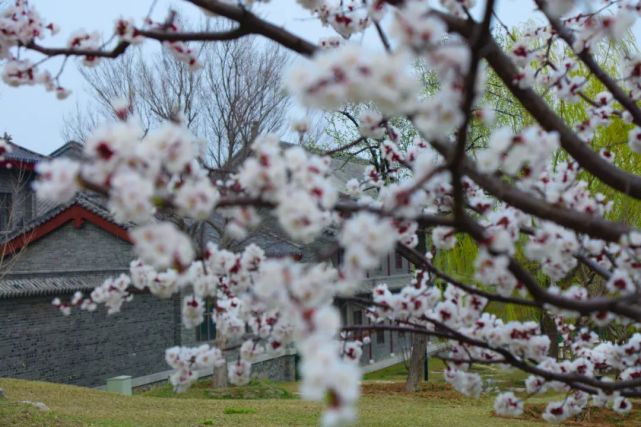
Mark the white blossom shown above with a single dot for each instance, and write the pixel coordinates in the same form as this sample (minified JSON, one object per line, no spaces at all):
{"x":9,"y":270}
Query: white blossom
{"x":57,"y":180}
{"x":196,"y":199}
{"x":508,"y":405}
{"x":162,"y":245}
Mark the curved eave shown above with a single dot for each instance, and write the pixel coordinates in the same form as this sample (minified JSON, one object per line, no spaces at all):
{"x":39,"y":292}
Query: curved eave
{"x":18,"y":164}
{"x":75,"y":214}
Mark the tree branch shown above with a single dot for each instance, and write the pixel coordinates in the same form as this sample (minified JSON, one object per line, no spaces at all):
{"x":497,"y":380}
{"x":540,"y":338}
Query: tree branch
{"x":255,"y":25}
{"x":628,"y":103}
{"x":609,"y":174}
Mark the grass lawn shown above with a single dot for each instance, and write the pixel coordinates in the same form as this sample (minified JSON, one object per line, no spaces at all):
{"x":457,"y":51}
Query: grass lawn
{"x":380,"y":406}
{"x":503,"y":378}
{"x":202,"y":390}
{"x":263,"y":404}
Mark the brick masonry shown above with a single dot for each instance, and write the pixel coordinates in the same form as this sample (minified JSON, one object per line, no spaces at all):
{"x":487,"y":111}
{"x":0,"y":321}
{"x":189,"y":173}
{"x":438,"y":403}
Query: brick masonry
{"x":68,"y":249}
{"x":278,"y":369}
{"x":84,"y":348}
{"x":37,"y":342}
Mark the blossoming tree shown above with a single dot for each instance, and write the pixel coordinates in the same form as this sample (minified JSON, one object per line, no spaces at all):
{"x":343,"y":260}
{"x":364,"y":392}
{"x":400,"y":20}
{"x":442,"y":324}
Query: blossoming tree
{"x":524,"y":196}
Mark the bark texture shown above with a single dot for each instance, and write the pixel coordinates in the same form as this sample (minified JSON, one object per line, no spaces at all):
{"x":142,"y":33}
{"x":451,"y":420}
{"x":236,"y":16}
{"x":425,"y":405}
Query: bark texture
{"x":417,"y":363}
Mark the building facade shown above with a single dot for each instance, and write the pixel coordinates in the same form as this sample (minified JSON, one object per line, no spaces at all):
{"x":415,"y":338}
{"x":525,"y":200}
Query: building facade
{"x":54,"y":250}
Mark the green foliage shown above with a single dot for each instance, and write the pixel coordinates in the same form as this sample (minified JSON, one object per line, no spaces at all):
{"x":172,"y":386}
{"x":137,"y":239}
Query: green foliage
{"x":612,"y":138}
{"x":459,"y":262}
{"x":509,"y":112}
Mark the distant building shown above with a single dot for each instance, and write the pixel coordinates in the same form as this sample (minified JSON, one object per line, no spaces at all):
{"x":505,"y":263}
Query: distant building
{"x":55,"y":250}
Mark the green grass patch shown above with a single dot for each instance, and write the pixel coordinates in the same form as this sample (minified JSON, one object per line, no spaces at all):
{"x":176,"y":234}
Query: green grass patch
{"x":203,"y":390}
{"x":22,"y":414}
{"x":492,"y":374}
{"x":501,"y":377}
{"x":391,"y":373}
{"x":233,"y":411}
{"x":398,"y":372}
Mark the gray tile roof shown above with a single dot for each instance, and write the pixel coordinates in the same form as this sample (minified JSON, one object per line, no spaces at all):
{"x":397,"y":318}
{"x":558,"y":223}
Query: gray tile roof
{"x":344,"y":169}
{"x":93,"y":203}
{"x":268,"y":235}
{"x":40,"y":284}
{"x":71,"y":149}
{"x":23,"y":154}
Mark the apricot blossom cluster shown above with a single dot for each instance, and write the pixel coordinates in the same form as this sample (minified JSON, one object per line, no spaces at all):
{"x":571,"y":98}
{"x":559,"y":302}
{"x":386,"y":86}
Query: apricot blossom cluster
{"x":524,"y":199}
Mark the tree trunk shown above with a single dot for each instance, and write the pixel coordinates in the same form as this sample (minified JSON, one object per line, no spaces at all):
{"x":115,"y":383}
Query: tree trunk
{"x":219,"y":379}
{"x":548,"y":327}
{"x":416,"y":371}
{"x":417,"y":363}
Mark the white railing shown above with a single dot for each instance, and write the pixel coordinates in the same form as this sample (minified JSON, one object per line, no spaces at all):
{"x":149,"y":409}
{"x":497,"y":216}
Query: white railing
{"x":393,"y":281}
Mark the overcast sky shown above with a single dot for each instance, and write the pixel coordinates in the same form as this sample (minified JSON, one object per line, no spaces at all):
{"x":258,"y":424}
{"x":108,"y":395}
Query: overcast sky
{"x":34,"y":117}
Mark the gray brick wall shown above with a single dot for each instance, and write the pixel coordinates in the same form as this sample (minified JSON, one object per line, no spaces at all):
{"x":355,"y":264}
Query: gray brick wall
{"x":37,"y":342}
{"x":186,"y":336}
{"x":278,"y":369}
{"x":88,"y":248}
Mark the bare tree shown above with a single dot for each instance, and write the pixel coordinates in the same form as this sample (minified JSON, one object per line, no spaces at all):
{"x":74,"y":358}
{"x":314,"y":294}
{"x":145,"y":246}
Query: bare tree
{"x":79,"y":124}
{"x":246,"y":92}
{"x":236,"y":95}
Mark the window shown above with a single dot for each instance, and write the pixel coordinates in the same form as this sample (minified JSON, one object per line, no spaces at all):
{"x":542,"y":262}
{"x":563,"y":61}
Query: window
{"x":380,"y":334}
{"x":358,"y":317}
{"x":357,"y":320}
{"x":340,"y":256}
{"x":380,"y":269}
{"x":399,"y":261}
{"x":206,"y":331}
{"x":5,"y":210}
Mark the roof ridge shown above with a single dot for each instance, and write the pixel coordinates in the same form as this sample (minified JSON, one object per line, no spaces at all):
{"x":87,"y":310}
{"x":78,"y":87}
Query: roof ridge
{"x":65,"y":145}
{"x":19,"y":274}
{"x":80,"y":199}
{"x":22,"y":147}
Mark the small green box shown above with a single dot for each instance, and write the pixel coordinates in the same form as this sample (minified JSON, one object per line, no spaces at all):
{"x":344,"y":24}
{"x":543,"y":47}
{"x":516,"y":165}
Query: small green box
{"x":120,"y":385}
